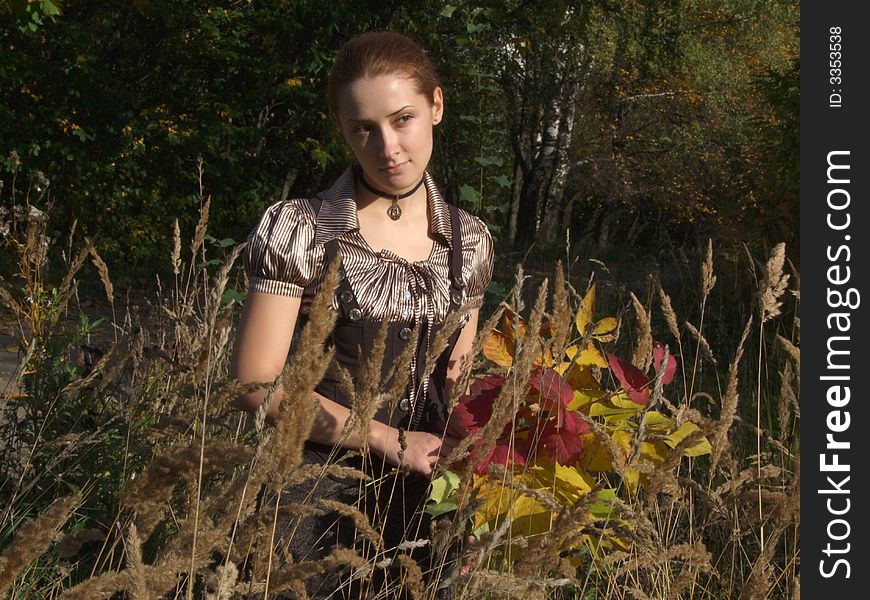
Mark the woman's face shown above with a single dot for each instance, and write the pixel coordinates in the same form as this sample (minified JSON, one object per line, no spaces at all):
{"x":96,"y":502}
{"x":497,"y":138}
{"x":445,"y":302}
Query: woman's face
{"x":388,"y":125}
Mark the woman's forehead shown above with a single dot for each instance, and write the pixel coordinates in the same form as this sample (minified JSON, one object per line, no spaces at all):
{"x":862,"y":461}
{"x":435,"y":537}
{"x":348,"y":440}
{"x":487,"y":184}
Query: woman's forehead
{"x":380,"y":96}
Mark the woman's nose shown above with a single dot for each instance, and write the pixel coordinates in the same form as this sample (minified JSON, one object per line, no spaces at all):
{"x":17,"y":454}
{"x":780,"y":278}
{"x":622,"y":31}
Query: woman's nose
{"x":389,"y":143}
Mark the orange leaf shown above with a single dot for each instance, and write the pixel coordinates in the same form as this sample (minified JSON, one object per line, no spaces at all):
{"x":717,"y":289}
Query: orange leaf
{"x":499,"y":348}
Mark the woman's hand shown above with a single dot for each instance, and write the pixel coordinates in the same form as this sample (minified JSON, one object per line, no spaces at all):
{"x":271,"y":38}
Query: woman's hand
{"x":422,"y":449}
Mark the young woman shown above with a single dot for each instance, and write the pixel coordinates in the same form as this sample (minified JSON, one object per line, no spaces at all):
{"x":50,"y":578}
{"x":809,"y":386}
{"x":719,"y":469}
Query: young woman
{"x":409,"y":258}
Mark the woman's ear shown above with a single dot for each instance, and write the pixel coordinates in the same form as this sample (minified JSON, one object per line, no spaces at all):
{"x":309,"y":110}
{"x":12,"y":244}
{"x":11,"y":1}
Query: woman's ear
{"x":437,"y":105}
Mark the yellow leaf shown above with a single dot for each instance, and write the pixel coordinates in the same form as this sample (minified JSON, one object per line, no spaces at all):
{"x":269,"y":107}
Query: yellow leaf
{"x":654,"y":451}
{"x":584,"y":313}
{"x":623,"y":400}
{"x":702,"y":446}
{"x":580,"y":378}
{"x":604,"y":329}
{"x":499,"y":349}
{"x":584,"y":398}
{"x":623,"y":440}
{"x":529,"y":517}
{"x":595,"y":456}
{"x":589,"y":357}
{"x":658,"y":423}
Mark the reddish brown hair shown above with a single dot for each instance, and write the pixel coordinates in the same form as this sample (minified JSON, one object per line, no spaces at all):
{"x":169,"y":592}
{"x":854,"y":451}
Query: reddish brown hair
{"x":380,"y":53}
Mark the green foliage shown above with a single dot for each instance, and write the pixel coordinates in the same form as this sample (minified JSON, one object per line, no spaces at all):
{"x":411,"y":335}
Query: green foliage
{"x":682,"y":118}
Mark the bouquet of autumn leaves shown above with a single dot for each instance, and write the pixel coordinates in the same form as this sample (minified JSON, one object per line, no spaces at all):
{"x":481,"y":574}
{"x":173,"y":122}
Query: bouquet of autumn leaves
{"x":568,"y":445}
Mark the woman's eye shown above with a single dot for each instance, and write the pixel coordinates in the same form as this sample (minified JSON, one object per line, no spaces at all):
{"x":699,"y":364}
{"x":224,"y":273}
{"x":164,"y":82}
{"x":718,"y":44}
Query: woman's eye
{"x":404,"y":119}
{"x":361,"y":130}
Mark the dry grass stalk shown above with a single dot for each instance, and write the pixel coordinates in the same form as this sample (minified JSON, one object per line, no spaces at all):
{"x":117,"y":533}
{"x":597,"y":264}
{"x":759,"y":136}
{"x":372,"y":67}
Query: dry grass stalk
{"x":656,"y":559}
{"x":219,"y":285}
{"x":642,"y":356}
{"x":224,"y":582}
{"x":176,"y":249}
{"x":795,"y":353}
{"x":299,"y":407}
{"x":339,"y":558}
{"x":720,"y":442}
{"x":150,"y":492}
{"x":736,"y":484}
{"x":201,"y":227}
{"x":505,"y":404}
{"x":359,"y":518}
{"x":103,"y":271}
{"x":9,"y":300}
{"x":568,"y":528}
{"x":365,"y":397}
{"x":462,"y":382}
{"x":67,"y":286}
{"x":561,"y":318}
{"x":413,"y":576}
{"x":670,"y":315}
{"x":69,"y":545}
{"x":708,"y":279}
{"x":788,"y":402}
{"x":33,"y":538}
{"x":663,"y":477}
{"x":773,"y":284}
{"x":138,"y":587}
{"x":105,"y":370}
{"x":160,"y":579}
{"x":508,"y":585}
{"x":702,"y":342}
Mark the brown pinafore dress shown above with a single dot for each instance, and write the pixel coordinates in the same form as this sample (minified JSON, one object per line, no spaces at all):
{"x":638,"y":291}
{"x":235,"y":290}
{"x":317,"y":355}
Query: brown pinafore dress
{"x":392,"y":501}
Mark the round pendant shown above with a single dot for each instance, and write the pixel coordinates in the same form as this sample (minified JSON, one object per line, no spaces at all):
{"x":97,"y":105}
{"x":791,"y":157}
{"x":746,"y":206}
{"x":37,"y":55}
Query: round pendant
{"x":394,"y":212}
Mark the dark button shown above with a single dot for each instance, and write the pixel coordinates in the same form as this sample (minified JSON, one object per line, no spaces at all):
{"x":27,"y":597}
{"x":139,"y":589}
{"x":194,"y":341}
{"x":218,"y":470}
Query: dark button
{"x":460,"y":282}
{"x":346,"y":296}
{"x":405,"y":333}
{"x":404,"y":404}
{"x":355,"y":314}
{"x":456,"y":296}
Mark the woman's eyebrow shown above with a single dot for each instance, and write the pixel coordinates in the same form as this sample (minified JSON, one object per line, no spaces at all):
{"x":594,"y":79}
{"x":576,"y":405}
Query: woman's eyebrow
{"x":392,"y":114}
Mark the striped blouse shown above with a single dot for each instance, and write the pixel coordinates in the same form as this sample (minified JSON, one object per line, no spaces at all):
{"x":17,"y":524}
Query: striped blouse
{"x":285,"y":256}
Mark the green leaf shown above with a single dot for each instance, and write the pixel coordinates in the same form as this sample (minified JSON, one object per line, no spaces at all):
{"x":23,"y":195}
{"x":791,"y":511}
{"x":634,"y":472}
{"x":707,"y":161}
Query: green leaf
{"x":604,"y":509}
{"x":447,"y":11}
{"x":443,"y":487}
{"x":488,"y":161}
{"x":500,"y":180}
{"x":233,"y":296}
{"x":469,"y":195}
{"x":49,"y":8}
{"x":441,"y":508}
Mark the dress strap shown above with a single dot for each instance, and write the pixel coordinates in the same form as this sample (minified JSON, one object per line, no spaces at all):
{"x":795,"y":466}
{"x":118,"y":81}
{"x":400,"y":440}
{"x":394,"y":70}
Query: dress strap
{"x":346,"y":298}
{"x":457,"y":283}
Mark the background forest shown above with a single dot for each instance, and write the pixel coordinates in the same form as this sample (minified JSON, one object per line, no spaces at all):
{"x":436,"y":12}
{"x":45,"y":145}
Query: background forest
{"x":636,"y":382}
{"x":633,"y":125}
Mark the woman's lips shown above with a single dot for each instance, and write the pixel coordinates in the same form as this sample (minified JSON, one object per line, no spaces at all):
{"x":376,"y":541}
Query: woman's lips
{"x":395,"y":169}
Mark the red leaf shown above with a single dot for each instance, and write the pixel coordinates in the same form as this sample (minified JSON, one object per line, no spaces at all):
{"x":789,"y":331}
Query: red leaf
{"x":632,"y":379}
{"x":572,"y":422}
{"x":563,"y":445}
{"x":474,"y":409}
{"x":555,"y":391}
{"x":502,"y":453}
{"x":670,"y":367}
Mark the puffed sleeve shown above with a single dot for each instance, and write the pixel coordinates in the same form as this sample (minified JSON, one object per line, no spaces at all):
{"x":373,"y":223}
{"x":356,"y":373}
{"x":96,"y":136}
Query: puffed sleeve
{"x":280,"y":257}
{"x":480,"y":264}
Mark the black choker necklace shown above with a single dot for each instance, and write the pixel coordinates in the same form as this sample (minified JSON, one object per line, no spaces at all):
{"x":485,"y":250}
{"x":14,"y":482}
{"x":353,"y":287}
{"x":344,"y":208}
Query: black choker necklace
{"x":395,"y":211}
